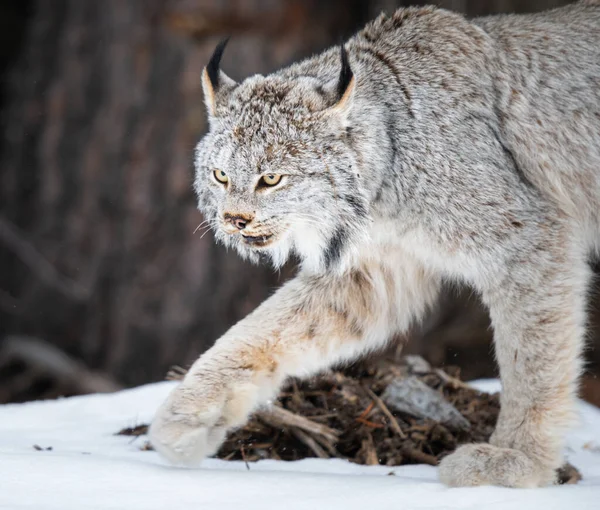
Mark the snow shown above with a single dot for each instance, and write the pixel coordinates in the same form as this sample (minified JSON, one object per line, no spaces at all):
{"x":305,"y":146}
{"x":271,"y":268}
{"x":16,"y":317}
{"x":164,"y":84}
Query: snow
{"x":91,"y":468}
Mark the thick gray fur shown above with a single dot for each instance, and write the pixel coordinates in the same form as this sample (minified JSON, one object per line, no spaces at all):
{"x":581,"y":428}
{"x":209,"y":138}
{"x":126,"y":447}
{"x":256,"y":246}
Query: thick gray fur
{"x":462,"y":150}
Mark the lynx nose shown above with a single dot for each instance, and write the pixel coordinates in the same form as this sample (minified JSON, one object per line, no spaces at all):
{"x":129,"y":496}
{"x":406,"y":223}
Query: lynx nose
{"x":239,"y":221}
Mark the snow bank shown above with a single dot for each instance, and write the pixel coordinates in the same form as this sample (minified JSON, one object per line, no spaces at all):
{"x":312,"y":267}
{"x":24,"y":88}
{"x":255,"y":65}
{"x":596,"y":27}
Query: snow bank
{"x":90,"y":468}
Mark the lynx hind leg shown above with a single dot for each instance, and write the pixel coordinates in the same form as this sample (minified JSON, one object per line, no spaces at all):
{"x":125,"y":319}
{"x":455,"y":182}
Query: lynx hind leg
{"x":538,"y":314}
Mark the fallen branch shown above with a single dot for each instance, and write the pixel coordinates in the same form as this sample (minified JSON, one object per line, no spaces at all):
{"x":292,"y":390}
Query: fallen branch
{"x":15,"y":240}
{"x":44,"y":359}
{"x":449,"y":380}
{"x":311,"y":443}
{"x":176,"y":373}
{"x":384,"y":409}
{"x":276,"y":416}
{"x":418,"y":456}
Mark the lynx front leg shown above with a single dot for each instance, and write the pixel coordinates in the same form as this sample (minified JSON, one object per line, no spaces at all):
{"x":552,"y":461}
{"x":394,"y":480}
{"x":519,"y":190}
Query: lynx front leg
{"x":538,"y":313}
{"x":310,"y":323}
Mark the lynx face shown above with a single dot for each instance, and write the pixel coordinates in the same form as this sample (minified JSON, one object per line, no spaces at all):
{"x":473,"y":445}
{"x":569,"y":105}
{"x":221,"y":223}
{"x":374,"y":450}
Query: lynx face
{"x":276,"y":174}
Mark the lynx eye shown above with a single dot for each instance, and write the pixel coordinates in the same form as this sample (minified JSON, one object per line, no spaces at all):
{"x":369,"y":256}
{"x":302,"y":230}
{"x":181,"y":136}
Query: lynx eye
{"x":221,"y":176}
{"x":270,"y":179}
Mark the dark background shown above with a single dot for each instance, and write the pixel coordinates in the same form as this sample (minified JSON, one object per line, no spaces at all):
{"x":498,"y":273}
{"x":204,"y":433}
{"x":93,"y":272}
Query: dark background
{"x":103,"y":282}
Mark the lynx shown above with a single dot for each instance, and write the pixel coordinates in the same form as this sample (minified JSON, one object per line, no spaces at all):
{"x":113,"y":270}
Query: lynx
{"x":428,"y":149}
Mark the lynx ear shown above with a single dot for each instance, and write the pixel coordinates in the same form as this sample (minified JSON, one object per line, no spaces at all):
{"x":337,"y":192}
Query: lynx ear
{"x":346,"y":81}
{"x":344,"y":90}
{"x":215,"y":81}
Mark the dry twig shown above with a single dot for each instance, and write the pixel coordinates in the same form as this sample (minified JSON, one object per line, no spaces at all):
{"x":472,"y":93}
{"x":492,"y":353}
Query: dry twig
{"x":279,"y":417}
{"x":310,"y":442}
{"x":384,"y":409}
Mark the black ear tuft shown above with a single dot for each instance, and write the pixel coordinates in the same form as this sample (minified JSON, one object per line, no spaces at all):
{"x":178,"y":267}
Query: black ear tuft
{"x":212,"y":68}
{"x":345,"y":74}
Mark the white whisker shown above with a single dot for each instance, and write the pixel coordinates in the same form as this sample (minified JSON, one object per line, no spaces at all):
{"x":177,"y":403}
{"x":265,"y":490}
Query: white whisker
{"x":201,"y":225}
{"x":208,"y":229}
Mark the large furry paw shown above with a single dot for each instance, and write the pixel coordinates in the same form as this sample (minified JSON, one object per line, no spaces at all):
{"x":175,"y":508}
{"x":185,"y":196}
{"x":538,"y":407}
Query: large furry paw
{"x":192,"y":423}
{"x":485,"y":464}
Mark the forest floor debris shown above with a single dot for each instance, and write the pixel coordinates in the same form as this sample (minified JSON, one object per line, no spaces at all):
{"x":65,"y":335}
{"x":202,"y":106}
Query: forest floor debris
{"x":388,"y":411}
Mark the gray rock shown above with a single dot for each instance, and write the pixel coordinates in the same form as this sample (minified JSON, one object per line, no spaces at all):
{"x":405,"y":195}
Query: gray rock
{"x":416,"y":364}
{"x":412,"y":396}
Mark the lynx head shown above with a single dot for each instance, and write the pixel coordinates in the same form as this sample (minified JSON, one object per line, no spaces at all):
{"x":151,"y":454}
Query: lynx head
{"x":277,"y":173}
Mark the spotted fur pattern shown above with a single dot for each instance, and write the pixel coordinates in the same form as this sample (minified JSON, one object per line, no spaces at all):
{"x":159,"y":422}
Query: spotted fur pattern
{"x":460,"y":150}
